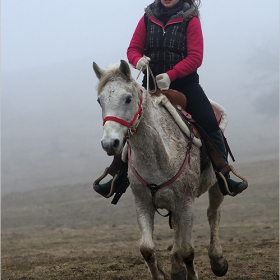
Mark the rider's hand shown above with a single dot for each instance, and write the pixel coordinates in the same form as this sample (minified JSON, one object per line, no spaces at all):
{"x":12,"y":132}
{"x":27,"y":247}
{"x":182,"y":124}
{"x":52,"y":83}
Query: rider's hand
{"x":142,"y":63}
{"x":163,"y":81}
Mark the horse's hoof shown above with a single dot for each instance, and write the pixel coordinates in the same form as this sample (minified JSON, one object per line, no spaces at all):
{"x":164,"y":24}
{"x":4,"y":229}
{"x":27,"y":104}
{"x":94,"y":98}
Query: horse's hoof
{"x":218,"y":270}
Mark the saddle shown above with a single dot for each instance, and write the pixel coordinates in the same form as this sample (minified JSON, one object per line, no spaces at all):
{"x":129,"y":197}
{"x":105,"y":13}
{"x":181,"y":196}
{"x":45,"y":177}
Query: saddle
{"x":179,"y":101}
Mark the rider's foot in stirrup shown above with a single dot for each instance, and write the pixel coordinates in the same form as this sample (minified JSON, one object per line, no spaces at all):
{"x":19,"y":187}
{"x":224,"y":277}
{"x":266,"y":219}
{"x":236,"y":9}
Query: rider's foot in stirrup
{"x":109,"y":188}
{"x":103,"y":189}
{"x":234,"y":187}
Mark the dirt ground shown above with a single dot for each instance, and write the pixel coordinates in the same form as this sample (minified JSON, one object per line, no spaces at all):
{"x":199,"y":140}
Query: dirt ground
{"x":70,"y":233}
{"x":247,"y":260}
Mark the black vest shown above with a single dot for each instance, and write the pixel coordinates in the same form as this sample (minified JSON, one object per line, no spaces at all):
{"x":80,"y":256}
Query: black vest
{"x":166,"y":47}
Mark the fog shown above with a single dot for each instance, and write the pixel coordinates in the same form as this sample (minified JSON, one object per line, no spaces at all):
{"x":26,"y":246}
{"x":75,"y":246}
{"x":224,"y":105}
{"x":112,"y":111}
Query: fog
{"x":51,"y":123}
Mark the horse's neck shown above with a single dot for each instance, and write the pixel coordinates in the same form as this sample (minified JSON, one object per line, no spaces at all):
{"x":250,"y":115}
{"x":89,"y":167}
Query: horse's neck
{"x":158,"y":136}
{"x":149,"y":127}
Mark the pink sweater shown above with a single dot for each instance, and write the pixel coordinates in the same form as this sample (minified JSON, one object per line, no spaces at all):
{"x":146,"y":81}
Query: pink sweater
{"x":189,"y":64}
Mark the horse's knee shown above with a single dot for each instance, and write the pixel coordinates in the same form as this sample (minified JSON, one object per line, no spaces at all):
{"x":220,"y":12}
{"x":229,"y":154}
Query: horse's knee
{"x":147,"y":253}
{"x":188,"y":259}
{"x":176,"y":257}
{"x":186,"y":256}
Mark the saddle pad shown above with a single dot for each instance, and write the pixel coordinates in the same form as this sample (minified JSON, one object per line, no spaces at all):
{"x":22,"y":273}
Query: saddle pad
{"x":178,"y":98}
{"x":174,"y":96}
{"x":164,"y":101}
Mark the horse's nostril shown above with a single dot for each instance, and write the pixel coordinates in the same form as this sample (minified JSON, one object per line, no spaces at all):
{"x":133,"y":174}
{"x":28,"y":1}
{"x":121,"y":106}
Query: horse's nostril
{"x":116,"y":143}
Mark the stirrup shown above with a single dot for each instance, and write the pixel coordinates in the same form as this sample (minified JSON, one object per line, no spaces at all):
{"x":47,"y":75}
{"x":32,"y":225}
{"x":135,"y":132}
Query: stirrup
{"x":105,"y":173}
{"x":225,"y":181}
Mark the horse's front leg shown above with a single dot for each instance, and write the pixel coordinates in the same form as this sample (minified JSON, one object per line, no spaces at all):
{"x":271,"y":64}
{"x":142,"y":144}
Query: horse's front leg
{"x":145,"y":216}
{"x":219,"y":264}
{"x":182,"y":255}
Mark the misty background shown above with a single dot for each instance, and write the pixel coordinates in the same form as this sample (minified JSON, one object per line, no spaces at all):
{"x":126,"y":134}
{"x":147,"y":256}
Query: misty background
{"x":50,"y":121}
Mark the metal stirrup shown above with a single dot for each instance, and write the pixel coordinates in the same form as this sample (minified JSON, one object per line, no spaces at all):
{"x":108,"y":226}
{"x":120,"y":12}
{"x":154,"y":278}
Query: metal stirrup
{"x":225,"y":181}
{"x":105,"y":173}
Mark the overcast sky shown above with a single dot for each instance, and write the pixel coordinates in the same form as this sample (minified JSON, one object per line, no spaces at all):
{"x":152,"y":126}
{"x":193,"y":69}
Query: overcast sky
{"x":51,"y":123}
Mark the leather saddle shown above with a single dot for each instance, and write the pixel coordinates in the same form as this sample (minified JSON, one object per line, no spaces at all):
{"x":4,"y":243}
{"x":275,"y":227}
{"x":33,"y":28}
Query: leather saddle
{"x":178,"y":99}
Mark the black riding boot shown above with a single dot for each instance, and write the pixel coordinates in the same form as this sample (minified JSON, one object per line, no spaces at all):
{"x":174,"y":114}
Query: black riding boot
{"x":119,"y":183}
{"x":234,"y":187}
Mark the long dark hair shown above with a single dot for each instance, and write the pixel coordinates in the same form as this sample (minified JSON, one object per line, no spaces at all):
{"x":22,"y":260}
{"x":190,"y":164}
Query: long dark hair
{"x":195,"y":3}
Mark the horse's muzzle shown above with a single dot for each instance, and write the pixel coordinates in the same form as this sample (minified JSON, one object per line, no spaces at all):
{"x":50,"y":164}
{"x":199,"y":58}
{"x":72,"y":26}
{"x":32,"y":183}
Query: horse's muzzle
{"x":112,"y":147}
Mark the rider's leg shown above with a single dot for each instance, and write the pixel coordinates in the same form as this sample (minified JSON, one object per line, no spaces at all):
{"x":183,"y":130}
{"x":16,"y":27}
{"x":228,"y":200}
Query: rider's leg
{"x":199,"y":106}
{"x":234,"y":187}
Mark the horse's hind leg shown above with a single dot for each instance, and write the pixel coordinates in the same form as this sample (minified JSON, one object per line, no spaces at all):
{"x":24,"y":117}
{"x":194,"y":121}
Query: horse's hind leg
{"x":218,"y":263}
{"x":182,"y":255}
{"x":145,"y":216}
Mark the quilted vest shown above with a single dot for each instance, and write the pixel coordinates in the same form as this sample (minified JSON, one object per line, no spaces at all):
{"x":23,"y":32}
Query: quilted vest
{"x":166,"y":46}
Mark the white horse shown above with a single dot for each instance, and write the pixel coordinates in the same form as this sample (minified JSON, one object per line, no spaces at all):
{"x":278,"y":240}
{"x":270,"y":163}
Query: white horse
{"x":158,"y":149}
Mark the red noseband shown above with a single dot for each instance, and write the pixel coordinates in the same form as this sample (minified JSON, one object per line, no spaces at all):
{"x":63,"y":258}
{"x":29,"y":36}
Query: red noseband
{"x":123,"y":122}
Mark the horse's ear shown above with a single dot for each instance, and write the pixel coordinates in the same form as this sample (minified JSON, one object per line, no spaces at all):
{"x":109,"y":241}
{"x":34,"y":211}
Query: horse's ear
{"x":124,"y":68}
{"x":98,"y":71}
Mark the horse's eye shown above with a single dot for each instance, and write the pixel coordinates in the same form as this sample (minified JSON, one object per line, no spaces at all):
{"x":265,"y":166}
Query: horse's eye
{"x":128,"y":99}
{"x":98,"y":100}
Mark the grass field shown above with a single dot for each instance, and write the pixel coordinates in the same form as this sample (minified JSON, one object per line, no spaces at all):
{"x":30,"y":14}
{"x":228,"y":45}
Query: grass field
{"x":70,"y":232}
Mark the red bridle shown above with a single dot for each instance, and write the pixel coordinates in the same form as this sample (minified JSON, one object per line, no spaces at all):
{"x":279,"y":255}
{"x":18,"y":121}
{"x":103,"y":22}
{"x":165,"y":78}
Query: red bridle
{"x":125,"y":123}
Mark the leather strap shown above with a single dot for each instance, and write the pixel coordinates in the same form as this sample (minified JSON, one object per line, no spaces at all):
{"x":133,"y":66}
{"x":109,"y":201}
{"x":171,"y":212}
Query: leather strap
{"x":220,"y":164}
{"x":227,"y":147}
{"x":154,"y":188}
{"x":121,"y":189}
{"x":117,"y":166}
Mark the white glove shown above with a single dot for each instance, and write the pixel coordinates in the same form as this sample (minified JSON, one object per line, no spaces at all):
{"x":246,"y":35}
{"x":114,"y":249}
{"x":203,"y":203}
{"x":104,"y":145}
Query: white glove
{"x":163,"y":81}
{"x":142,"y":63}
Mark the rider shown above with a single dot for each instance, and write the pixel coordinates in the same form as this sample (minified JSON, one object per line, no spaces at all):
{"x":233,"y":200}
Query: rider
{"x":169,"y":39}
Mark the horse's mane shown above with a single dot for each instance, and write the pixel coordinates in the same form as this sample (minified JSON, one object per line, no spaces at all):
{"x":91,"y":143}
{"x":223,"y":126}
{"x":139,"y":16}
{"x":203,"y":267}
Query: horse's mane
{"x":113,"y":73}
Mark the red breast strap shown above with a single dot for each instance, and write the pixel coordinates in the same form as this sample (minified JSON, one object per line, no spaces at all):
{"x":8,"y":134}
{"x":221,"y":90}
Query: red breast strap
{"x":154,"y":188}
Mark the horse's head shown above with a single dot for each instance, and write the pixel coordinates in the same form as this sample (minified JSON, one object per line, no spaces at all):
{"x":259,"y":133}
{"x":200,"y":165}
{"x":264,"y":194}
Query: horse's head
{"x":120,"y":98}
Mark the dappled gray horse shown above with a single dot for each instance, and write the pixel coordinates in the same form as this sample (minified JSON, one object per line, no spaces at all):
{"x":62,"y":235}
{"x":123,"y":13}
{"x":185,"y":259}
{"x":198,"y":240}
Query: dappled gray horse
{"x":157,"y":150}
